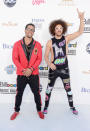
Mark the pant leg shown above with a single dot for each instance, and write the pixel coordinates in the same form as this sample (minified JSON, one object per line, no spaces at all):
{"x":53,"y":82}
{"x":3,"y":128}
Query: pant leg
{"x":51,"y":81}
{"x":33,"y":81}
{"x":66,"y":82}
{"x":21,"y":84}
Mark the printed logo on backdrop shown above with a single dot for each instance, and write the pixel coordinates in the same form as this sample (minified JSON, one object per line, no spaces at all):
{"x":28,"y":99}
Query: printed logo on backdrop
{"x":43,"y":68}
{"x":6,"y":88}
{"x":10,"y":69}
{"x":67,"y":3}
{"x":38,"y":2}
{"x":88,"y":48}
{"x":6,"y":46}
{"x":6,"y":84}
{"x":72,"y":49}
{"x":9,"y":3}
{"x":9,"y":24}
{"x":40,"y":88}
{"x":7,"y":91}
{"x":87,"y":25}
{"x":69,"y":24}
{"x":43,"y":63}
{"x":85,"y":90}
{"x":86,"y":72}
{"x":43,"y":71}
{"x":38,"y":23}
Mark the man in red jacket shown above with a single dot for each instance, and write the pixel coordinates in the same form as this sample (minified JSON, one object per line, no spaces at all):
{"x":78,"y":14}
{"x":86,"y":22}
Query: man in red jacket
{"x":27,"y":56}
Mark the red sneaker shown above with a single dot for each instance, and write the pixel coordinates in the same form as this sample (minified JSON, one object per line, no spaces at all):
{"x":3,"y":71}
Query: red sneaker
{"x":14,"y":115}
{"x":41,"y":115}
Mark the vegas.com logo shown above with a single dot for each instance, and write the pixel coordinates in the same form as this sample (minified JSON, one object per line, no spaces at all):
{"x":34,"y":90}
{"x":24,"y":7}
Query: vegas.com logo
{"x":9,"y":3}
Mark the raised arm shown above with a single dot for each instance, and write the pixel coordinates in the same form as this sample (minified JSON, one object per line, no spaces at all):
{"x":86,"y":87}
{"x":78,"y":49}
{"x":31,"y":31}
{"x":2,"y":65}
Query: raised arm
{"x":81,"y":28}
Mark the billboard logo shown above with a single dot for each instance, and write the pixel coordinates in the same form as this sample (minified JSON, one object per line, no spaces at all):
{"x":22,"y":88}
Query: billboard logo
{"x":87,"y":21}
{"x":6,"y":46}
{"x":88,"y":48}
{"x":85,"y":90}
{"x":5,"y":84}
{"x":87,"y":26}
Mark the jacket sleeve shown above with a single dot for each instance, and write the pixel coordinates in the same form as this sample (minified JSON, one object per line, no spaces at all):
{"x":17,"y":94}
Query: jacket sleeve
{"x":38,"y":60}
{"x":15,"y":57}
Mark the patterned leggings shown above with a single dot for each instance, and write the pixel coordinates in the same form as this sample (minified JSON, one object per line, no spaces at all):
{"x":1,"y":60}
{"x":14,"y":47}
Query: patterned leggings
{"x":64,"y":75}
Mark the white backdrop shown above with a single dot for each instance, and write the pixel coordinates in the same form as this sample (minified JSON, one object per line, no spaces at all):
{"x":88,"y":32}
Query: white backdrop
{"x":41,"y":13}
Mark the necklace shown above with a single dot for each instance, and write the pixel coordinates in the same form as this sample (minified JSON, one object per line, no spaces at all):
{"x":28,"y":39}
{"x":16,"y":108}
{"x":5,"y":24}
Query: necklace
{"x":28,"y":47}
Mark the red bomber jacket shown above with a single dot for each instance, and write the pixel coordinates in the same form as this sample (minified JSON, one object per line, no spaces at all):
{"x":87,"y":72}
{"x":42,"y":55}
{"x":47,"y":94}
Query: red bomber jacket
{"x":20,"y":60}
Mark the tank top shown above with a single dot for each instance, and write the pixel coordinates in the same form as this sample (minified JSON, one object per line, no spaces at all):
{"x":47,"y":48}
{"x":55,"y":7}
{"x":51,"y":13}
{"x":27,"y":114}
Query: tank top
{"x":59,"y":50}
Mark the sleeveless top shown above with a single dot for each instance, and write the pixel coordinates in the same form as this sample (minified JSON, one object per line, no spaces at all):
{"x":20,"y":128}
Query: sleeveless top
{"x":59,"y":51}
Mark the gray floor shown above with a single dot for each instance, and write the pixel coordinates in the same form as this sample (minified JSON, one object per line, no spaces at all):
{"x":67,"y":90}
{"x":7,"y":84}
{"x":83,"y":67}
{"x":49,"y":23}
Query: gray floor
{"x":59,"y":118}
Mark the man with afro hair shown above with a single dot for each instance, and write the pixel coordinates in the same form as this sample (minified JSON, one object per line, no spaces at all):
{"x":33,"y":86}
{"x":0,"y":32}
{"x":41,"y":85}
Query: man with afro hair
{"x":58,"y":64}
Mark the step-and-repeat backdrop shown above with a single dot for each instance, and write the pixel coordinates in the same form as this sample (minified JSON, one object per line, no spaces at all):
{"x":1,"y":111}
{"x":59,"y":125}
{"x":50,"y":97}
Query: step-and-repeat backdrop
{"x":14,"y":15}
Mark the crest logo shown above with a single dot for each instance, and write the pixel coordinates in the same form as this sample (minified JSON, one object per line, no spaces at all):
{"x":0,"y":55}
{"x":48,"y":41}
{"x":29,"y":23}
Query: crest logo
{"x":10,"y":3}
{"x":35,"y":51}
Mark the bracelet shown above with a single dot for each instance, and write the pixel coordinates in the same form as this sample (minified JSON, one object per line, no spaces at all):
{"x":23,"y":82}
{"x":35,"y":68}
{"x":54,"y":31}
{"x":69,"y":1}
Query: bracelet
{"x":32,"y":69}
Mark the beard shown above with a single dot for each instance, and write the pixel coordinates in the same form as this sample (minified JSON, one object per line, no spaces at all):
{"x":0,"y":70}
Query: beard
{"x":28,"y":36}
{"x":58,"y":34}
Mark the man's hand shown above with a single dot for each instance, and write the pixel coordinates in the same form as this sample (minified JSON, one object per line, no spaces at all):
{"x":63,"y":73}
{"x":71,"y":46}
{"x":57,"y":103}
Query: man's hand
{"x":27,"y":72}
{"x":80,"y":15}
{"x":52,"y":66}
